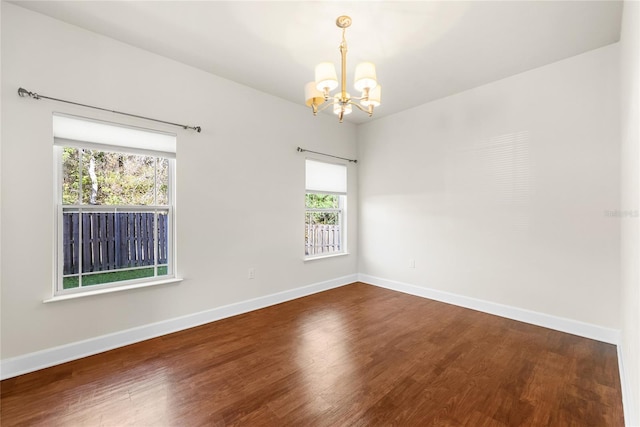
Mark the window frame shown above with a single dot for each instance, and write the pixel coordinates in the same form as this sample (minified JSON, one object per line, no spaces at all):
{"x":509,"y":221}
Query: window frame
{"x":60,"y":208}
{"x":341,"y":210}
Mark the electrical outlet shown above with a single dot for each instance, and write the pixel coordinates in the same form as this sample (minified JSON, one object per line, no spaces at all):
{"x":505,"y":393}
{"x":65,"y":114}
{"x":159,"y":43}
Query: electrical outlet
{"x":252,"y":273}
{"x":412,"y":263}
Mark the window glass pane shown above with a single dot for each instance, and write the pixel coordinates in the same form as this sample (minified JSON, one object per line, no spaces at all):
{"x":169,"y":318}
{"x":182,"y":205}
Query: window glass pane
{"x":117,"y":178}
{"x":322,"y":201}
{"x":163,"y":244}
{"x":322,"y":233}
{"x":70,"y":176}
{"x":70,"y":249}
{"x":323,"y":218}
{"x":114,"y":245}
{"x":162,"y":181}
{"x":323,"y":228}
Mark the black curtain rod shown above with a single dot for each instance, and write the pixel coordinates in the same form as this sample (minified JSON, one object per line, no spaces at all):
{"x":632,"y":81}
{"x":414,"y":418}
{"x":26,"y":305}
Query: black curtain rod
{"x":302,"y":150}
{"x":23,"y":92}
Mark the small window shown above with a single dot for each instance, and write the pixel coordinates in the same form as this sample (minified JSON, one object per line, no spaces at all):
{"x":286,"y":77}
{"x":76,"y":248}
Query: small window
{"x":325,"y":209}
{"x":114,"y":204}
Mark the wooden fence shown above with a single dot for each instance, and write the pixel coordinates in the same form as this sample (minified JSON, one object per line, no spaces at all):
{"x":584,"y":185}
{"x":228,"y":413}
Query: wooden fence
{"x":112,"y":240}
{"x":322,"y":239}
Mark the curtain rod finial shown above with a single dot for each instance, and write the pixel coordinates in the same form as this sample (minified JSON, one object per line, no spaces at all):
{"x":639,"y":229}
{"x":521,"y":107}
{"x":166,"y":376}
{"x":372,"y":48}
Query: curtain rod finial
{"x":23,"y":92}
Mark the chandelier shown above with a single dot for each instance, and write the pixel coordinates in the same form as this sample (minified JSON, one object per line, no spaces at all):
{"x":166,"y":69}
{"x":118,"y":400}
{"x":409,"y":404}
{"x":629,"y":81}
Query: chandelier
{"x":318,"y":93}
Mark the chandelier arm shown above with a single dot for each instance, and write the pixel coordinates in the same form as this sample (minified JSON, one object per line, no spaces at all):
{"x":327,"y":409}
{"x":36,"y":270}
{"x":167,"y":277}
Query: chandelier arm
{"x":360,"y":98}
{"x":324,"y":106}
{"x":368,"y":110}
{"x":360,"y":107}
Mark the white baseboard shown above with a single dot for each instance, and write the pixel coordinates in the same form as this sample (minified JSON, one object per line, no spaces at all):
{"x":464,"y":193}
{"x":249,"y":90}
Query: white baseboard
{"x":54,"y":356}
{"x":575,"y":327}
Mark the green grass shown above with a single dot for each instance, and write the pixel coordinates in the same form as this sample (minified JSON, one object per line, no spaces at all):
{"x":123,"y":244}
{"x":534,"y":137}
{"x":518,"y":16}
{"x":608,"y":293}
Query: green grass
{"x":110,"y":277}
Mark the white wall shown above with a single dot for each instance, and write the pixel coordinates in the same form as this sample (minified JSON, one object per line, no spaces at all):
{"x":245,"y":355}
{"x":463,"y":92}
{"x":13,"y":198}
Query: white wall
{"x":500,"y":193}
{"x":630,"y":230}
{"x":240,"y":183}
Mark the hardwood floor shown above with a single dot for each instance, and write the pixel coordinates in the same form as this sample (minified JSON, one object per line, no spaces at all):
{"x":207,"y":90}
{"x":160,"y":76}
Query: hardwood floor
{"x":353,"y":356}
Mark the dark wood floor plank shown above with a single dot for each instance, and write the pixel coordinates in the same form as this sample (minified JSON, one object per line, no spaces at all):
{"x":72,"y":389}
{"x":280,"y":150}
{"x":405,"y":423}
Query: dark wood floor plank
{"x":353,"y":356}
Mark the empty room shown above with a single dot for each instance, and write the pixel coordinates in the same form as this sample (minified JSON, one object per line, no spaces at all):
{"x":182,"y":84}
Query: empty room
{"x":324,"y":213}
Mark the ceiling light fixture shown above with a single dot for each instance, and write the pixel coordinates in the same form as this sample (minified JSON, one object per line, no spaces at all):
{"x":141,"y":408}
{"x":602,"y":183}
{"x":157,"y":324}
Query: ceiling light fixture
{"x":318,"y":92}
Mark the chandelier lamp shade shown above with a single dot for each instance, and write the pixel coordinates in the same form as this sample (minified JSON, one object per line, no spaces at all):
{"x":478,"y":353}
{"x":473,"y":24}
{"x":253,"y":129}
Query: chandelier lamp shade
{"x":318,"y":93}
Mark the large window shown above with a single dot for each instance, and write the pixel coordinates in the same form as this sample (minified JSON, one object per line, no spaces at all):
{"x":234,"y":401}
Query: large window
{"x":325,"y":209}
{"x":114,"y":204}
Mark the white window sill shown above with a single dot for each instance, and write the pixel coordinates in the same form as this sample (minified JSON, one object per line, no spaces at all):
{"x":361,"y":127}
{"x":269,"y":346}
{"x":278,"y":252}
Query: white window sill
{"x":325,"y":256}
{"x":66,"y":297}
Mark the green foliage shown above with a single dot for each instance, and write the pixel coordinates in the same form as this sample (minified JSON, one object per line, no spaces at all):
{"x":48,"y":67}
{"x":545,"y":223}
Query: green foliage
{"x":71,"y":176}
{"x":108,"y":178}
{"x":322,"y":201}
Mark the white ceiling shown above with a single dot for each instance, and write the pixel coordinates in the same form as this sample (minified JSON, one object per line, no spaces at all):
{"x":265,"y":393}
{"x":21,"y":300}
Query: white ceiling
{"x":422,"y":50}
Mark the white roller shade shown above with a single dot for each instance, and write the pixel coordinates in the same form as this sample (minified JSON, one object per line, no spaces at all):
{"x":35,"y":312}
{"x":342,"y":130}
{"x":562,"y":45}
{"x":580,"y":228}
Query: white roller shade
{"x":324,"y":177}
{"x":77,"y":131}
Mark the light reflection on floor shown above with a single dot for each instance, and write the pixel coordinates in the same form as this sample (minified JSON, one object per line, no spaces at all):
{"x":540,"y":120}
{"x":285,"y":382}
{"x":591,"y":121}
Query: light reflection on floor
{"x":134,"y":395}
{"x":325,"y":358}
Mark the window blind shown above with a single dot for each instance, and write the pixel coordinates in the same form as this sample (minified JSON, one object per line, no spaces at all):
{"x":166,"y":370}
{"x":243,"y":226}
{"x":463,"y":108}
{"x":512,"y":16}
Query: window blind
{"x":80,"y":132}
{"x":324,"y":177}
